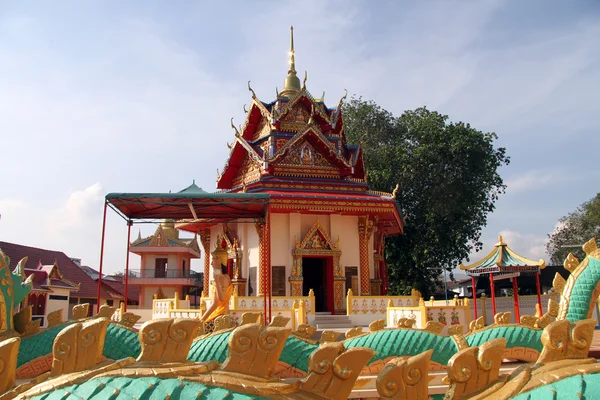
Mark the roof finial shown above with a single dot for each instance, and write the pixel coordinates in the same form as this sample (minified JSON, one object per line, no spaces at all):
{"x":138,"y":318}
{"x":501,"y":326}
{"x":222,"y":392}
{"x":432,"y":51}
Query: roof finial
{"x":292,"y":82}
{"x":292,"y":59}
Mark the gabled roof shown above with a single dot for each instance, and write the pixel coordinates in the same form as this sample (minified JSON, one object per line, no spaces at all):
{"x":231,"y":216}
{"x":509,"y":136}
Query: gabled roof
{"x":70,"y":270}
{"x":503,"y":260}
{"x":114,"y":285}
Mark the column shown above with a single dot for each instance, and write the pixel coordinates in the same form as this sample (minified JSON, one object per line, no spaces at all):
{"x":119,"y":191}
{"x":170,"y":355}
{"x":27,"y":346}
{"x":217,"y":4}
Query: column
{"x":205,"y":241}
{"x":366,"y":226}
{"x":296,"y":279}
{"x":264,"y":254}
{"x":474,"y":286}
{"x":516,"y":300}
{"x":493,"y":290}
{"x":239,"y":283}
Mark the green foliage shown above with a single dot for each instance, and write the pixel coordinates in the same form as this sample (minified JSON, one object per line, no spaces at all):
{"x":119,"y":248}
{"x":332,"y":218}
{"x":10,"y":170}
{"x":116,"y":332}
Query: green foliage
{"x":574,"y":230}
{"x":448,"y":183}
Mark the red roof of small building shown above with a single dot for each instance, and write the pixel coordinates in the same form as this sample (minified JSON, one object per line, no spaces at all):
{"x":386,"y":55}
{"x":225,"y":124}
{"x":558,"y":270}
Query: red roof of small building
{"x":87,"y":286}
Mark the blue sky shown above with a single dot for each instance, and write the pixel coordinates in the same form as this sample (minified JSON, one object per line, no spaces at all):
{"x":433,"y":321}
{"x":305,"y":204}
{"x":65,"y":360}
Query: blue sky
{"x":137,"y":96}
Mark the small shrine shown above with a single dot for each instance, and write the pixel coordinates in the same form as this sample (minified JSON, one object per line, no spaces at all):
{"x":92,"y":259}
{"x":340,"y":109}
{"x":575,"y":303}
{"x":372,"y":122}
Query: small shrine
{"x":503,"y":263}
{"x":165,"y":263}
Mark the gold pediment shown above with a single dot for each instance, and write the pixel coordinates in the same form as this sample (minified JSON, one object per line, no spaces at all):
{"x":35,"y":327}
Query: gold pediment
{"x":317,"y":239}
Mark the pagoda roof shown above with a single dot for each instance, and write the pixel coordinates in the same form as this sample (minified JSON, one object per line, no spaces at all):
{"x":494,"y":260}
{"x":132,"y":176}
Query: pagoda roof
{"x":193,"y":188}
{"x":503,"y":260}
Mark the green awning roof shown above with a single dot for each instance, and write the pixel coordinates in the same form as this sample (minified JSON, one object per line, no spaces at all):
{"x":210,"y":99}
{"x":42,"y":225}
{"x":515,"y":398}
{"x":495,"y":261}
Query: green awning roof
{"x":211,"y":208}
{"x":503,"y":260}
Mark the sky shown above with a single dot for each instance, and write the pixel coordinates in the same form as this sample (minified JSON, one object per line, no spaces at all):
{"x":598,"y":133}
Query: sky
{"x":137,"y":96}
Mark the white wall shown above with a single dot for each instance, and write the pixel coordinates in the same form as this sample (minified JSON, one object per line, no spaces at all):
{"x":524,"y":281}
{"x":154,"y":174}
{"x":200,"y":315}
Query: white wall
{"x":53,"y":305}
{"x":149,"y":291}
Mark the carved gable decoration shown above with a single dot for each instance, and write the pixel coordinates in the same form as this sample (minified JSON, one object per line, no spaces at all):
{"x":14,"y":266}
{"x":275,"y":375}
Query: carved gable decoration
{"x":159,"y":239}
{"x":317,"y":239}
{"x":305,"y":154}
{"x":249,"y":172}
{"x":296,"y":119}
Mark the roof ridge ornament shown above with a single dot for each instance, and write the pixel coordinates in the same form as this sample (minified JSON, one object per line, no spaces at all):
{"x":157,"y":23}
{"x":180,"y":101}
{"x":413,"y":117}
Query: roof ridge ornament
{"x":291,"y":84}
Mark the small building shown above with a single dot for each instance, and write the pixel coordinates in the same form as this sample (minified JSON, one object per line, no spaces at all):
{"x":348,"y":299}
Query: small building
{"x":87,"y":288}
{"x":51,"y":291}
{"x":165,"y":264}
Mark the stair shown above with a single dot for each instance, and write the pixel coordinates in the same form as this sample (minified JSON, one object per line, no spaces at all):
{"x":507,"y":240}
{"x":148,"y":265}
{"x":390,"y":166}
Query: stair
{"x":328,"y":321}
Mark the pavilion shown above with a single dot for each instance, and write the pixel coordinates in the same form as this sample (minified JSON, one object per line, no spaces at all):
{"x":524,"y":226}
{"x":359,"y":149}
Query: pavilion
{"x":503,"y":263}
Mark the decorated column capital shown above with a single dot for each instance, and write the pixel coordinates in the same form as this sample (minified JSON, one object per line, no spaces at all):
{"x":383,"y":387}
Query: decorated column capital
{"x":205,"y":241}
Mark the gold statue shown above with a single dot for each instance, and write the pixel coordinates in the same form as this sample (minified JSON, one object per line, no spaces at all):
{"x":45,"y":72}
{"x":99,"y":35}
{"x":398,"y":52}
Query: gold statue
{"x":223,"y":287}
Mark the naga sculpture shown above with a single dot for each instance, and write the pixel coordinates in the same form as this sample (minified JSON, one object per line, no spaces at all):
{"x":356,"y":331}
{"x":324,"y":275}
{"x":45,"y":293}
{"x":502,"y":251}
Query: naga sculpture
{"x":558,"y":341}
{"x":13,"y":289}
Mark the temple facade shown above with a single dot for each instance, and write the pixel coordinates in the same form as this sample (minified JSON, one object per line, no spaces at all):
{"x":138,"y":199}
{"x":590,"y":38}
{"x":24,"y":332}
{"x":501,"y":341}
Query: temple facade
{"x":325,"y":229}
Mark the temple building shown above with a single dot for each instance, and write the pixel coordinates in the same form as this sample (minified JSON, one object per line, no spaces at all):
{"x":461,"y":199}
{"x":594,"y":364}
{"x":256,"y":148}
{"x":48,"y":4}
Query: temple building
{"x":325,"y":229}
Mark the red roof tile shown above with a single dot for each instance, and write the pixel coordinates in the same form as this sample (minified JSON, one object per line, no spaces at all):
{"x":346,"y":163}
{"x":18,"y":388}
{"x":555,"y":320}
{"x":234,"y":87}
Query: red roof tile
{"x":87,"y":286}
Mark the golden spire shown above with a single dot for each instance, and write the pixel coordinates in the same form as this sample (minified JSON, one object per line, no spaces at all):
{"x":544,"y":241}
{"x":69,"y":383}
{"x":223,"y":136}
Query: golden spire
{"x":292,"y":82}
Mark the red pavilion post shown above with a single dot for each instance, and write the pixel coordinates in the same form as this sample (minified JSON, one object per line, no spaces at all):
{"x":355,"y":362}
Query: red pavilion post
{"x":539,"y":292}
{"x":492,"y":289}
{"x":129,"y":223}
{"x":516,"y":300}
{"x":474,"y":285}
{"x":101,"y":259}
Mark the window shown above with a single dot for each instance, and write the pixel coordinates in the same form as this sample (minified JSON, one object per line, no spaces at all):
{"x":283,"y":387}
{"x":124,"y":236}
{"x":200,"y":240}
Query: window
{"x":278,"y":281}
{"x":183,"y":271}
{"x":252,"y":281}
{"x":352,"y":279}
{"x":160,"y":268}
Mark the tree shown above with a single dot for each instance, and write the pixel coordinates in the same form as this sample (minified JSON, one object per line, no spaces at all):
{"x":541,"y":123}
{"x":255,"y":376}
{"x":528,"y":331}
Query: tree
{"x":448,"y":183}
{"x":574,"y":230}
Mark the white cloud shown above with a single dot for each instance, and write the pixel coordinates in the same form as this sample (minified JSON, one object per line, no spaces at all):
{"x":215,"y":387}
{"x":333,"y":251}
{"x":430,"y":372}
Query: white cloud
{"x":80,"y":208}
{"x":531,"y":180}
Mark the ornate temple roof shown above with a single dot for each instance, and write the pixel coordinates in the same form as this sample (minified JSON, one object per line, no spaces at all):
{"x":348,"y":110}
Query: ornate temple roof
{"x":294,"y":137}
{"x":294,"y":149}
{"x":503,"y":260}
{"x":166,"y":236}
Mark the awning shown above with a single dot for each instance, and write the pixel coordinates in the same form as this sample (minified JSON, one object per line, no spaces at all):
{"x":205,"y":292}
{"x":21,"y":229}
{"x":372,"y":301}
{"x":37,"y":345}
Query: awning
{"x":212,"y":208}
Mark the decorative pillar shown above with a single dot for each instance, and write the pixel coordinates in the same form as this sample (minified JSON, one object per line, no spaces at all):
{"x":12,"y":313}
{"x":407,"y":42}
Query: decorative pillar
{"x":366,"y":226}
{"x":264,"y":254}
{"x":493,"y":290}
{"x":296,"y":279}
{"x":339,"y":284}
{"x":474,"y":286}
{"x":238,"y":281}
{"x":516,"y":300}
{"x":539,"y":292}
{"x":205,"y":241}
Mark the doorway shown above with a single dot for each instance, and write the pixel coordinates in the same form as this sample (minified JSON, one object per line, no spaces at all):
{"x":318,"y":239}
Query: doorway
{"x":315,"y":277}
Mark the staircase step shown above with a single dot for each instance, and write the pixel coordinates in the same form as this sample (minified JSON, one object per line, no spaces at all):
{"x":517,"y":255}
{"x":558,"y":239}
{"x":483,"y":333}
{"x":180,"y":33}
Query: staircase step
{"x":335,"y":326}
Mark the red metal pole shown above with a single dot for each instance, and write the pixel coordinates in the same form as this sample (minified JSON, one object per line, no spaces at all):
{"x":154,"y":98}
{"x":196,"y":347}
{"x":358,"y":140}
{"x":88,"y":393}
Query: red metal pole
{"x":474,"y":285}
{"x":129,"y":223}
{"x":516,"y":300}
{"x":492,"y":289}
{"x":269,"y":258}
{"x":101,"y":259}
{"x":539,"y":292}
